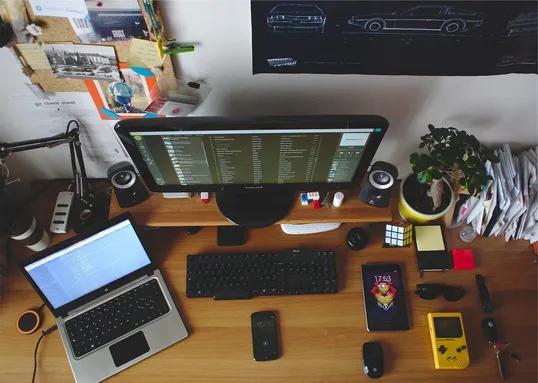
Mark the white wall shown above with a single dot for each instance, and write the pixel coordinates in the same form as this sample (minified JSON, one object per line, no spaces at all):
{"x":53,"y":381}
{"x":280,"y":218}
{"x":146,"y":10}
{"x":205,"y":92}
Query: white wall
{"x":496,"y":109}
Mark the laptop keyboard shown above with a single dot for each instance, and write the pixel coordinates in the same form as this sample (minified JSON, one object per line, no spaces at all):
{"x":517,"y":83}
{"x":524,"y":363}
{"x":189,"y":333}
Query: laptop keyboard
{"x":116,"y":317}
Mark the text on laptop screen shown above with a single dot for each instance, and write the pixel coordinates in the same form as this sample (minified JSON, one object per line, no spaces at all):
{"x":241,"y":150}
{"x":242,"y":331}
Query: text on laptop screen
{"x":89,"y":264}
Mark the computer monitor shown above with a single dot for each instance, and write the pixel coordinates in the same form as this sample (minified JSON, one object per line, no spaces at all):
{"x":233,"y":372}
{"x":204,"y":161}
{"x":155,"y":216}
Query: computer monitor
{"x":257,"y":164}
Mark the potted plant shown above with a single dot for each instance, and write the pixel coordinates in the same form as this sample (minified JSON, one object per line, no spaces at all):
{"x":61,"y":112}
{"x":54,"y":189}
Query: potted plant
{"x":452,"y":157}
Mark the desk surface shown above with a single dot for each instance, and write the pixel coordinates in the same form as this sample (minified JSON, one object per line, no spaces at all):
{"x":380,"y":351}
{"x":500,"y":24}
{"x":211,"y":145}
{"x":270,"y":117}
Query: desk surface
{"x":321,"y":335}
{"x":159,"y":211}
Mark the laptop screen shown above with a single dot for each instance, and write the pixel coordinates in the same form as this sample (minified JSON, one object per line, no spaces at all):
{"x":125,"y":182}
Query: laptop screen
{"x":87,"y":265}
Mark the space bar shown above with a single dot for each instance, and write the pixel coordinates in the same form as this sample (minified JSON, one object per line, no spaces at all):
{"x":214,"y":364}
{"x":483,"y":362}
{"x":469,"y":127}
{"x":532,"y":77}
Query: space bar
{"x":220,"y":295}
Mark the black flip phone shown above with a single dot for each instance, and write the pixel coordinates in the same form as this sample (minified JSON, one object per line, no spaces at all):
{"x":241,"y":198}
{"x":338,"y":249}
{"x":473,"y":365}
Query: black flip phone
{"x":265,"y":336}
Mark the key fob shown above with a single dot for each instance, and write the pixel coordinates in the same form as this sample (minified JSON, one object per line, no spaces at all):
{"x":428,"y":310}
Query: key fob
{"x":491,"y":332}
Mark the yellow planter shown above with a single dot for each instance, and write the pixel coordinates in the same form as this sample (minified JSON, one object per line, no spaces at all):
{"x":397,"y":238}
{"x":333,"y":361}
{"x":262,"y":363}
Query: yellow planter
{"x":414,"y":216}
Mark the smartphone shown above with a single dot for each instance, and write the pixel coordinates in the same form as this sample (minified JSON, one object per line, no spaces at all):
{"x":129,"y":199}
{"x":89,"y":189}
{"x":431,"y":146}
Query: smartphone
{"x":384,"y":297}
{"x":265,"y":336}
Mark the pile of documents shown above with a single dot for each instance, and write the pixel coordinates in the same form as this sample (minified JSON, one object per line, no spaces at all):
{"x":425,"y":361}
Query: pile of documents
{"x":508,"y":205}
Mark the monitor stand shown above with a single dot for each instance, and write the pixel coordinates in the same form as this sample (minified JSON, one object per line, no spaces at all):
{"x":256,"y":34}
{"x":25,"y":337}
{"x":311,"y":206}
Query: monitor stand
{"x":255,"y":209}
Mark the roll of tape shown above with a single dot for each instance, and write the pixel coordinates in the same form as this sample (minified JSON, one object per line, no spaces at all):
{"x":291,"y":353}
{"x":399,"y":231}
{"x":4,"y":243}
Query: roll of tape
{"x":338,"y":199}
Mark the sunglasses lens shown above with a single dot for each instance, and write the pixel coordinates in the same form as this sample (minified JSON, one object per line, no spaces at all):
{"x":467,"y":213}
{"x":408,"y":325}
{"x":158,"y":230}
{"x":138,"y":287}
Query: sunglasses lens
{"x":426,"y":293}
{"x":454,"y":294}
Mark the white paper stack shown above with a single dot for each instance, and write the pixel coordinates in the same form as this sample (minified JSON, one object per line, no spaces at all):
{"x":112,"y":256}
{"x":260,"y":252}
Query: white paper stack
{"x":508,"y":205}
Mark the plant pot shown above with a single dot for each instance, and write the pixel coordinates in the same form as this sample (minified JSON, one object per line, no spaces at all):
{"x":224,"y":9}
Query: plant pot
{"x":413,"y":215}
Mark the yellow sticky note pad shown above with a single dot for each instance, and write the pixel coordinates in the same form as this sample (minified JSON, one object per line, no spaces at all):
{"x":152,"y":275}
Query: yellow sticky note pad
{"x":144,"y":53}
{"x":429,"y":238}
{"x":34,"y":55}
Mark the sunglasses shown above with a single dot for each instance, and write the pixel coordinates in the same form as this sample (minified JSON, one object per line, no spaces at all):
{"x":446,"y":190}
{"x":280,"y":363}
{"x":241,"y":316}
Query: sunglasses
{"x":431,"y":291}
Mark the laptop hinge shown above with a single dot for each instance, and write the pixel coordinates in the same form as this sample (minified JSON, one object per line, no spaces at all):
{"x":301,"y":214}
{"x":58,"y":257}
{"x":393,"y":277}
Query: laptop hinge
{"x":105,"y":297}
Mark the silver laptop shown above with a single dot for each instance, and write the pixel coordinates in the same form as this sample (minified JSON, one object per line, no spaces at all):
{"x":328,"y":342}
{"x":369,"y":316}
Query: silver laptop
{"x":110,"y":301}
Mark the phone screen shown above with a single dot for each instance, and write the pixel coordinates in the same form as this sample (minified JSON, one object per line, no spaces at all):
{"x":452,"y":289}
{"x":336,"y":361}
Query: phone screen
{"x":265,"y":336}
{"x":384,"y":298}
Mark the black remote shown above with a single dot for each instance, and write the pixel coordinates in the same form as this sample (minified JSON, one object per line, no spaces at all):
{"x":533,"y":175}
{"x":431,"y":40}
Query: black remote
{"x":487,"y":303}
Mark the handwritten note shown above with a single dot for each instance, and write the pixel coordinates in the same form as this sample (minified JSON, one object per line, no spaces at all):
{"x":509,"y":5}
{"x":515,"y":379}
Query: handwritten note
{"x":34,"y":55}
{"x":143,"y":53}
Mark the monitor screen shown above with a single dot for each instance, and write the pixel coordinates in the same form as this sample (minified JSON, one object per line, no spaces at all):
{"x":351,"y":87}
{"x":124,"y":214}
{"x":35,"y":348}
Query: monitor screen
{"x":87,"y":265}
{"x":252,"y":157}
{"x":202,"y":154}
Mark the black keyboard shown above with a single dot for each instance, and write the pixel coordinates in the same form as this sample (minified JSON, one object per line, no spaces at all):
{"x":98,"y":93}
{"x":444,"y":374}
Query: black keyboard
{"x":116,"y":317}
{"x":246,"y":275}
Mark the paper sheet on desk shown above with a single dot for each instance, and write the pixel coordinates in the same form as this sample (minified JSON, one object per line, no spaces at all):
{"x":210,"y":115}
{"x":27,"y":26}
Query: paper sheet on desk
{"x":99,"y":142}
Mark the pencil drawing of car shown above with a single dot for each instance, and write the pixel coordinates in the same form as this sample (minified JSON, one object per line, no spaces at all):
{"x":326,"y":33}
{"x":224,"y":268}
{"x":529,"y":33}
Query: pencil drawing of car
{"x":519,"y":59}
{"x":438,"y":18}
{"x":524,"y":24}
{"x":296,"y":18}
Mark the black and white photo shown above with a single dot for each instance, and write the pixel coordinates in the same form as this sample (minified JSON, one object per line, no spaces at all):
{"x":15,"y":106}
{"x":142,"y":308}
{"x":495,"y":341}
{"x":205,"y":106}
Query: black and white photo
{"x":114,"y":20}
{"x":92,"y":62}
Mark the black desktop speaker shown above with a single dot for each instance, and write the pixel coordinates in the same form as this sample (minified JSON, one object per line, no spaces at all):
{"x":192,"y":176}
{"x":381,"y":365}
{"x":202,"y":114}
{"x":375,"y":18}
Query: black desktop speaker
{"x":130,"y":191}
{"x":376,"y":190}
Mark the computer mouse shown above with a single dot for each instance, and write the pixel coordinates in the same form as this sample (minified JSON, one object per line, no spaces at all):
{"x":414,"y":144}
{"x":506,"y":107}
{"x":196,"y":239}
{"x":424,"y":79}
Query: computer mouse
{"x":357,"y":238}
{"x":372,"y":360}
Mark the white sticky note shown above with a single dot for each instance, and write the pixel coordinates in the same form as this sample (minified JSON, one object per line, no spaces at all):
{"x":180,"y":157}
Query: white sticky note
{"x":60,"y":8}
{"x":34,"y":55}
{"x":144,"y":53}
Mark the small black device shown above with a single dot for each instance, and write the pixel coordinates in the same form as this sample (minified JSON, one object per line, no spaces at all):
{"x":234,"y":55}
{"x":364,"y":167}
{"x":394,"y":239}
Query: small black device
{"x":376,"y":190}
{"x":431,"y":291}
{"x":191,"y":230}
{"x":231,"y":235}
{"x":357,"y":238}
{"x":485,"y":299}
{"x":128,"y":188}
{"x":245,"y":275}
{"x":490,"y":330}
{"x":255,"y":165}
{"x":384,"y":297}
{"x":265,"y":336}
{"x":373,"y":361}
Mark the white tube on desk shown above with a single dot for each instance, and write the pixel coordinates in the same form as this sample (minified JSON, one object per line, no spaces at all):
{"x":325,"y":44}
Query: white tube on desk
{"x":338,"y":199}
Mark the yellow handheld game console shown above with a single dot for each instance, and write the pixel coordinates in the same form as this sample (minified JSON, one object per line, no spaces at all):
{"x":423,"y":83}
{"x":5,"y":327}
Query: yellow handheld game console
{"x":448,"y":341}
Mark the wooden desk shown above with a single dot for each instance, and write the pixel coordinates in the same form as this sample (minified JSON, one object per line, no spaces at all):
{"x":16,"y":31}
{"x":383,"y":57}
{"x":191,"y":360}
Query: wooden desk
{"x":159,"y":211}
{"x":321,"y":335}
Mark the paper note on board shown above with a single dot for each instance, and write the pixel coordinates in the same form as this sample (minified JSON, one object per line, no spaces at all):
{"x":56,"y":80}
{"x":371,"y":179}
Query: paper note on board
{"x":143,"y":53}
{"x":34,"y":56}
{"x":60,"y":8}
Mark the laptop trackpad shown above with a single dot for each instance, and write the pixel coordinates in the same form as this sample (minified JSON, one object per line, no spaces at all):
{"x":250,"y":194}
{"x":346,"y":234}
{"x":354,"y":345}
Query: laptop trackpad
{"x":129,"y":348}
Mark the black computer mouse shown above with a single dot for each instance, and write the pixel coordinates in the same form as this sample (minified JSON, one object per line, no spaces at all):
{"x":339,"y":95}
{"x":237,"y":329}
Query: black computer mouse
{"x":372,"y":360}
{"x":357,"y":238}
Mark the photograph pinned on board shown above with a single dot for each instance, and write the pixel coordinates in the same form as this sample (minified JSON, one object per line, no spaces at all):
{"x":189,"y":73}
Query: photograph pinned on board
{"x":113,"y":20}
{"x":83,"y":61}
{"x":127,"y":97}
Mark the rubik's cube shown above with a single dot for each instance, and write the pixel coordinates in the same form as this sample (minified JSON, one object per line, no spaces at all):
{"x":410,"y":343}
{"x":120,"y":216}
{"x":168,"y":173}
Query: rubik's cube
{"x":398,"y":234}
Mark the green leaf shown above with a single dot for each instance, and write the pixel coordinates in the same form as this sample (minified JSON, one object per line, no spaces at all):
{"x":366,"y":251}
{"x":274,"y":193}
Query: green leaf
{"x":432,"y":128}
{"x":424,"y":178}
{"x":421,"y":145}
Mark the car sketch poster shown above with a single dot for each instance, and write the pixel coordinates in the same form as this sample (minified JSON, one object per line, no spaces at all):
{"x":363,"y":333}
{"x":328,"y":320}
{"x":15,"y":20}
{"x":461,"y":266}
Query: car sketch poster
{"x":448,"y":38}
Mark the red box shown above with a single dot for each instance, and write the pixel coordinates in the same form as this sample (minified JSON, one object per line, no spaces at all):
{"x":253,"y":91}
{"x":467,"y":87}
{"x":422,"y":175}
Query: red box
{"x":463,"y":259}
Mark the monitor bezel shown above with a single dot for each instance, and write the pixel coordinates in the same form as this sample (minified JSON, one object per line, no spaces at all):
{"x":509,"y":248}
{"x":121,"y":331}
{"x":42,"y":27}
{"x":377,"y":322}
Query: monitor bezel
{"x":125,"y":127}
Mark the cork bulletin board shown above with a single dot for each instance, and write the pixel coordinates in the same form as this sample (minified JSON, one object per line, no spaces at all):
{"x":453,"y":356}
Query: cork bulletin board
{"x":59,"y":29}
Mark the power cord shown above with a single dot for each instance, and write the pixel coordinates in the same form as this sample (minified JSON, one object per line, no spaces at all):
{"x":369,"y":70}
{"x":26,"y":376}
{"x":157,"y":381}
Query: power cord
{"x":44,"y":333}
